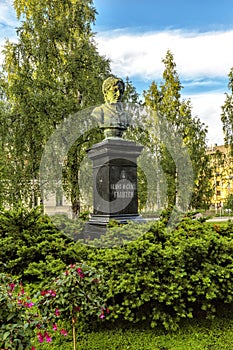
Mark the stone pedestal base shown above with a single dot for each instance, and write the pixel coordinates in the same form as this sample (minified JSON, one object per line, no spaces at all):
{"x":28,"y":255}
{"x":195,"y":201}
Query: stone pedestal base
{"x":115,"y":195}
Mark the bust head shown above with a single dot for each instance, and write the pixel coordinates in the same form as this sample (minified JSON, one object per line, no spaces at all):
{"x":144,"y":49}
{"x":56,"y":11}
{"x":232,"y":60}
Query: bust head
{"x":113,"y":89}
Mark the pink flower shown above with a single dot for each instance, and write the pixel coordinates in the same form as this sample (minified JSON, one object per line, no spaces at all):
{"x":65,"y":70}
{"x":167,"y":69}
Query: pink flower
{"x":12,"y":286}
{"x":57,"y":312}
{"x":55,"y":327}
{"x":48,"y":339}
{"x":102,"y":316}
{"x":31,"y":304}
{"x":79,"y":270}
{"x":52,"y":292}
{"x":40,"y":337}
{"x":63,"y":332}
{"x":33,"y":348}
{"x":77,"y":308}
{"x":22,"y":291}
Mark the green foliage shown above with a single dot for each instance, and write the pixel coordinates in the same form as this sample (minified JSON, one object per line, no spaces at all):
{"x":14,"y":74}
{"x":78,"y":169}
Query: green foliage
{"x":71,"y":170}
{"x":228,"y":204}
{"x":72,"y":228}
{"x":73,"y":296}
{"x":84,"y":215}
{"x":52,"y":71}
{"x":194,"y":334}
{"x":31,"y":247}
{"x":154,"y":275}
{"x":118,"y":235}
{"x":76,"y":291}
{"x":5,"y":171}
{"x":17,"y":321}
{"x":175,"y":115}
{"x":130,"y":93}
{"x":169,"y":275}
{"x":226,"y":116}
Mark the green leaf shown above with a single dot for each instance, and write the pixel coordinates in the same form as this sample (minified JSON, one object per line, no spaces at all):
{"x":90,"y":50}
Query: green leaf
{"x":6,"y":335}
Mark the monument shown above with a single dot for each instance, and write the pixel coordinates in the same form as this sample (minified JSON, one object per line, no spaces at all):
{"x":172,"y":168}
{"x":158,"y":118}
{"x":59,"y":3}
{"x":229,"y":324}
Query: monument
{"x":115,"y":194}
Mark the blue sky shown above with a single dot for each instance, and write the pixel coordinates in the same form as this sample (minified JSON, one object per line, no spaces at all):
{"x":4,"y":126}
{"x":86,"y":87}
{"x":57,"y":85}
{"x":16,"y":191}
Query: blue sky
{"x":136,"y":34}
{"x":156,"y":15}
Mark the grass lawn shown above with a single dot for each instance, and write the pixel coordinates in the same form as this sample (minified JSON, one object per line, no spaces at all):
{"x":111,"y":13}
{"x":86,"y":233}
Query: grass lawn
{"x":208,"y":335}
{"x":216,"y":334}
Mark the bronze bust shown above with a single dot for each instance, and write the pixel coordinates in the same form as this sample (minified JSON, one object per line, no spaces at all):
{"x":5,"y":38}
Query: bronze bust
{"x":111,"y":116}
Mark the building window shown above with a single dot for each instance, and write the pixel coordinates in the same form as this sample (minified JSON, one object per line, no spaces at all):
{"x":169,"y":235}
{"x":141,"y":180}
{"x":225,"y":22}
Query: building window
{"x":218,"y":193}
{"x":217,"y":183}
{"x":59,"y":198}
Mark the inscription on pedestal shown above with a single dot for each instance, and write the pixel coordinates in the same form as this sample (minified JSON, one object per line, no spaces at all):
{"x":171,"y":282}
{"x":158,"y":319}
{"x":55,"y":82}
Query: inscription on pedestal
{"x":125,"y":190}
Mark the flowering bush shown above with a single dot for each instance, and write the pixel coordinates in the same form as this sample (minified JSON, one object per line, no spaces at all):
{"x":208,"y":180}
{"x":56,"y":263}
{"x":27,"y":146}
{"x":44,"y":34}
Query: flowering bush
{"x":76,"y":291}
{"x":17,"y":315}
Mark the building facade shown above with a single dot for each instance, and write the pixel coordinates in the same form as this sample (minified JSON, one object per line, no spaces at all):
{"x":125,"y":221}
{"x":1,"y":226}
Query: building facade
{"x":222,"y":175}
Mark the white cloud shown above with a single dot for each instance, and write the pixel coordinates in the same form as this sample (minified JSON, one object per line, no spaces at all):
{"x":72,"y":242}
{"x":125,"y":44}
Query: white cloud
{"x":207,"y":107}
{"x":201,"y":58}
{"x":8,"y":24}
{"x":196,"y":54}
{"x":7,"y":14}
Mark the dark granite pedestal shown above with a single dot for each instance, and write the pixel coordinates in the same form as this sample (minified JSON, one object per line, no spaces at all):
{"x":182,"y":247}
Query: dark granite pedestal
{"x":115,"y":193}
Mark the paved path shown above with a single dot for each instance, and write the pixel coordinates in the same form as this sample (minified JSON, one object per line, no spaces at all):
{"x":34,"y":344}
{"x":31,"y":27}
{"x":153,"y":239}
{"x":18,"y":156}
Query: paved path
{"x":221,"y":218}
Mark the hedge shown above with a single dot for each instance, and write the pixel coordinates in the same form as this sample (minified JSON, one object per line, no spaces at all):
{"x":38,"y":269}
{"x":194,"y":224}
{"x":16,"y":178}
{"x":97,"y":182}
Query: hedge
{"x":168,"y":275}
{"x":31,"y":247}
{"x":154,"y":275}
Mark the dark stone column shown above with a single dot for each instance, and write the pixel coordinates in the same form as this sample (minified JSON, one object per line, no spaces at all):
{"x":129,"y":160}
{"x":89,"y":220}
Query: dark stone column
{"x":115,"y":193}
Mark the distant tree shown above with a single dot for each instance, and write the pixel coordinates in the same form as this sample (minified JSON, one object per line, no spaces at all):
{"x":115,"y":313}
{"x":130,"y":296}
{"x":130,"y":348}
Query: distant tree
{"x":130,"y":95}
{"x":227,"y":113}
{"x":175,"y":115}
{"x":133,"y":104}
{"x":3,"y":156}
{"x":72,"y":169}
{"x":6,"y":156}
{"x":228,"y":204}
{"x":53,"y":70}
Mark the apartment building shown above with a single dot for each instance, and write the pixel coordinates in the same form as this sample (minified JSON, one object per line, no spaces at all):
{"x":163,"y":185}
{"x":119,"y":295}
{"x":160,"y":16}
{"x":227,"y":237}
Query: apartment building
{"x":221,"y":162}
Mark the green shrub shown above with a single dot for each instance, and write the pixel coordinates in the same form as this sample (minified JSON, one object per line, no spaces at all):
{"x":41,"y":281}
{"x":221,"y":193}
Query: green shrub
{"x":70,"y":227}
{"x":71,"y":297}
{"x":119,"y":235}
{"x":31,"y":247}
{"x":16,"y":316}
{"x":155,"y":275}
{"x":168,"y":275}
